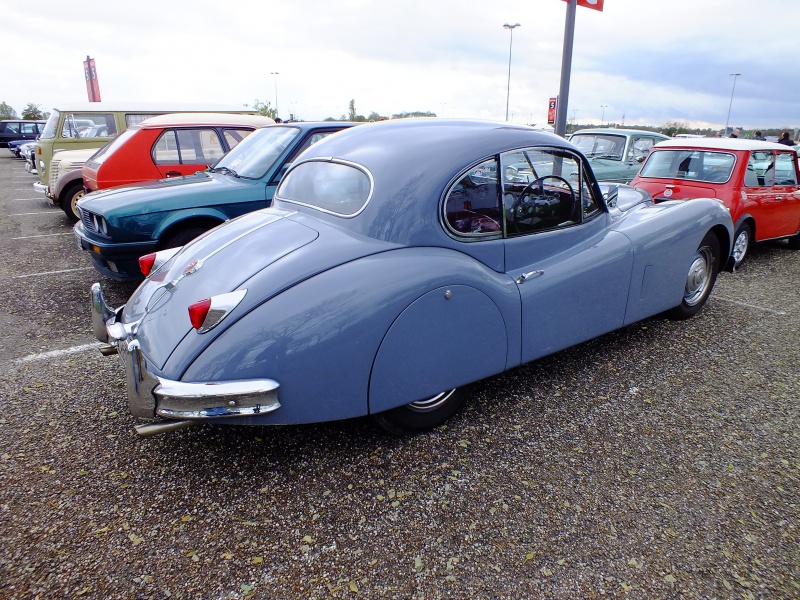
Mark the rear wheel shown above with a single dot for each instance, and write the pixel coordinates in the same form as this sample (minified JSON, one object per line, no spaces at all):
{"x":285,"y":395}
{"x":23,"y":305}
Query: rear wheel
{"x":423,"y":414}
{"x":741,"y":243}
{"x":794,"y":242}
{"x":700,"y":279}
{"x":68,"y":199}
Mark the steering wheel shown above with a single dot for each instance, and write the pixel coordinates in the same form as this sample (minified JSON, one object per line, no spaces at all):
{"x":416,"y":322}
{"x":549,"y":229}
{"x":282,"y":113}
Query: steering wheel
{"x":527,"y":191}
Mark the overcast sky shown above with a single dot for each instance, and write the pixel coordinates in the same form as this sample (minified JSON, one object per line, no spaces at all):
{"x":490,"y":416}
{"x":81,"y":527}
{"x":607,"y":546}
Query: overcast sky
{"x":644,"y":62}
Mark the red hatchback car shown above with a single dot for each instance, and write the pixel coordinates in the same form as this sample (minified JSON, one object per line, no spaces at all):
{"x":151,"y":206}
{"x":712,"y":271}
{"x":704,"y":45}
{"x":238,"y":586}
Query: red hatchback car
{"x":168,"y":146}
{"x":757,"y":181}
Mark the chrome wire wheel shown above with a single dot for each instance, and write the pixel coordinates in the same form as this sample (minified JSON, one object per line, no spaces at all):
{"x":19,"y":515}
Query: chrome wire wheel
{"x":431,"y":403}
{"x":700,"y":277}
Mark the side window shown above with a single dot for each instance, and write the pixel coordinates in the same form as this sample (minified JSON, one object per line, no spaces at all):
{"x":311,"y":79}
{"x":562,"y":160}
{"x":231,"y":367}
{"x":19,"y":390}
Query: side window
{"x":132,"y":119}
{"x":29,"y":128}
{"x":760,"y":169}
{"x":543,"y":189}
{"x":82,"y":125}
{"x":785,"y":171}
{"x":472,"y":206}
{"x":234,"y":136}
{"x":640,"y":148}
{"x":11,"y":128}
{"x":199,"y":146}
{"x":165,"y":150}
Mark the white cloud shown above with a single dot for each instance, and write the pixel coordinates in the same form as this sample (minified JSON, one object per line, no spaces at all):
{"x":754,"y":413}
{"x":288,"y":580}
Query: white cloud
{"x":653,"y":61}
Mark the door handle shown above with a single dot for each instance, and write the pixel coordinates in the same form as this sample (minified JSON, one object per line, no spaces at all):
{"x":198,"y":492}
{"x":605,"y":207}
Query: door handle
{"x":529,"y":275}
{"x":173,"y":173}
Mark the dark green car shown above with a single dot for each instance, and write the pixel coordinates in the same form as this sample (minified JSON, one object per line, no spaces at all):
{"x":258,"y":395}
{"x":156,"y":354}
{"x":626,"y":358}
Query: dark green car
{"x":119,"y":225}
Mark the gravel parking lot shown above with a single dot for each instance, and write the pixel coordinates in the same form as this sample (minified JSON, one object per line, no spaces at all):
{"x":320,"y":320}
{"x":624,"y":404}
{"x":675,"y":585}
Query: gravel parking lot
{"x":660,"y":461}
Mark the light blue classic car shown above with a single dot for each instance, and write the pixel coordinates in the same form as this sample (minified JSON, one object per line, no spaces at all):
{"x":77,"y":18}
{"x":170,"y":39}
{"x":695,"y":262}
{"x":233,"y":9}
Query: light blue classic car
{"x":394,"y":269}
{"x":616,"y":154}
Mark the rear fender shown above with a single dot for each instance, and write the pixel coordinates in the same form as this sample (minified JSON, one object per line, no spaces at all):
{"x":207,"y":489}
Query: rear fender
{"x":386,"y":313}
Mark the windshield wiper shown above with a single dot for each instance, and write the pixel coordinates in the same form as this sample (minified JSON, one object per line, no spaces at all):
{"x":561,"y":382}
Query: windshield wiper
{"x":226,"y":171}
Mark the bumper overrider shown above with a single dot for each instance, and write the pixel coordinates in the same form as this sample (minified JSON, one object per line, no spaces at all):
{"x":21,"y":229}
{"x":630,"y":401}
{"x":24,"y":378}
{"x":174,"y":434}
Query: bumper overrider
{"x":180,"y":404}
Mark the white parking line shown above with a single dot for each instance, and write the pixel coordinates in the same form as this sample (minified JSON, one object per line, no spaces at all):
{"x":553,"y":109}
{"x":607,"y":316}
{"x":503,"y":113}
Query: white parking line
{"x":39,"y":198}
{"x":52,"y":272}
{"x":758,"y":308}
{"x":55,"y":353}
{"x":28,"y":237}
{"x":36,"y":213}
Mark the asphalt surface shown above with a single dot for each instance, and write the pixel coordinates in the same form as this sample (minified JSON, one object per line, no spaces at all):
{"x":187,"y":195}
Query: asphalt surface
{"x":659,"y":461}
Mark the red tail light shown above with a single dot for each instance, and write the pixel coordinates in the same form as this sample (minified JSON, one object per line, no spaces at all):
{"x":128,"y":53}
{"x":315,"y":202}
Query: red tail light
{"x":198,"y":312}
{"x":146,"y":263}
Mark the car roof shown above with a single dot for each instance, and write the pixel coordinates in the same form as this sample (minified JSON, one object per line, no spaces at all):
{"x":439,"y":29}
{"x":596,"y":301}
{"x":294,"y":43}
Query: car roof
{"x":613,"y":131}
{"x":720,"y":144}
{"x":188,"y":119}
{"x":23,"y":121}
{"x":412,"y":161}
{"x":154,"y":107}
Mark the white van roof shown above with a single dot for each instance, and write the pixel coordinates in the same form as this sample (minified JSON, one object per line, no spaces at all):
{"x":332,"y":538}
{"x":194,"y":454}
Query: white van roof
{"x":186,"y":119}
{"x":155,"y":107}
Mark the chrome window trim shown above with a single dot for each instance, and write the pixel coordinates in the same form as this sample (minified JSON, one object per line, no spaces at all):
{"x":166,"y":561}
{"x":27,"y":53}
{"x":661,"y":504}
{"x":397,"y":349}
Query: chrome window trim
{"x":330,"y":159}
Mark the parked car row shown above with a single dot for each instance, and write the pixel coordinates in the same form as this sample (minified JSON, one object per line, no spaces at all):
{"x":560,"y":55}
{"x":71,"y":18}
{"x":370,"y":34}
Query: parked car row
{"x":399,"y":261}
{"x":164,"y":146}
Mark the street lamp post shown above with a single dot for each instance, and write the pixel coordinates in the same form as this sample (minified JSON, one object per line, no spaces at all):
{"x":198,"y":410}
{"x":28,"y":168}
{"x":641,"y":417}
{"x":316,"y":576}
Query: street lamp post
{"x":603,"y":114}
{"x":510,"y":41}
{"x":728,"y":118}
{"x":276,"y":91}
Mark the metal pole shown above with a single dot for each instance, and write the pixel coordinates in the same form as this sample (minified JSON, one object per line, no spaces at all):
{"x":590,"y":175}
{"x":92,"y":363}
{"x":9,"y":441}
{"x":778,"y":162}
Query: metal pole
{"x":566,"y":68}
{"x":510,"y":41}
{"x":276,"y":91}
{"x":728,"y":118}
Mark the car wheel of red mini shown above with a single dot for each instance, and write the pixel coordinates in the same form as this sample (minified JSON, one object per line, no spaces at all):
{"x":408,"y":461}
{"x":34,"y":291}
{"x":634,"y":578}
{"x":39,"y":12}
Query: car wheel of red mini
{"x":741,"y":243}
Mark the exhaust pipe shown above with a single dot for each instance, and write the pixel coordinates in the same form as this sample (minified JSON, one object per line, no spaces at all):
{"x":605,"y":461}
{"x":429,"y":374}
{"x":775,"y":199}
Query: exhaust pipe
{"x":151,"y":429}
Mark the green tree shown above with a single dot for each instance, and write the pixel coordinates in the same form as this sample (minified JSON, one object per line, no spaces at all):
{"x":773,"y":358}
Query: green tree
{"x":265,"y":108}
{"x":411,"y":115}
{"x":351,"y":110}
{"x":33,"y":112}
{"x":6,"y":112}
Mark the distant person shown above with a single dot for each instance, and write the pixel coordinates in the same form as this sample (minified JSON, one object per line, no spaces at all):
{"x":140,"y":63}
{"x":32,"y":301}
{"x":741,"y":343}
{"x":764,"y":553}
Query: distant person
{"x":785,"y":139}
{"x":736,"y":132}
{"x":278,"y":120}
{"x":758,"y":136}
{"x":718,"y":134}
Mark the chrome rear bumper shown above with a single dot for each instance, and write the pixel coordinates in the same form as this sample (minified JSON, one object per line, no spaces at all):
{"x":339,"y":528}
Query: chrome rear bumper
{"x":150,"y":396}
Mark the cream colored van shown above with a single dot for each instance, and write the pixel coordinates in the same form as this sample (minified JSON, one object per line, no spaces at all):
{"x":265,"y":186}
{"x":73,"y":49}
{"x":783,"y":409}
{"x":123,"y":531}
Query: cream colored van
{"x":85,"y":125}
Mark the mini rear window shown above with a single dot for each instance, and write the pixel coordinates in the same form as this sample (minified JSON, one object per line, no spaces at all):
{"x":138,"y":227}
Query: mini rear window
{"x":334,"y":187}
{"x":696,"y":165}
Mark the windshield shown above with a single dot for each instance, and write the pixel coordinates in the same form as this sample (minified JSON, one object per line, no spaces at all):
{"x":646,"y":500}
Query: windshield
{"x":697,"y":165}
{"x":600,"y":146}
{"x":109,"y":149}
{"x":255,"y":154}
{"x":49,"y":131}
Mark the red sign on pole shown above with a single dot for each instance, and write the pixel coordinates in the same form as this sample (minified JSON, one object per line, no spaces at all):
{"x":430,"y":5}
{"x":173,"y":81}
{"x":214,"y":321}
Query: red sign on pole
{"x":551,"y":111}
{"x":92,"y":85}
{"x":595,"y":4}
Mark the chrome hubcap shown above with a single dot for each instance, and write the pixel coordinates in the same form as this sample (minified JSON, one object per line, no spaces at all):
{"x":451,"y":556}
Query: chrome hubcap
{"x":431,"y":403}
{"x":699,"y":278}
{"x":740,"y":246}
